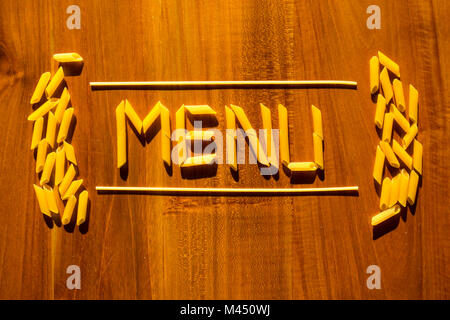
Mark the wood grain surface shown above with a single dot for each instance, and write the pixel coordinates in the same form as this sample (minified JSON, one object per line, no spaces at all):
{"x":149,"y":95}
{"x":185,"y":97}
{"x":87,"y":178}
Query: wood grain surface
{"x":163,"y":247}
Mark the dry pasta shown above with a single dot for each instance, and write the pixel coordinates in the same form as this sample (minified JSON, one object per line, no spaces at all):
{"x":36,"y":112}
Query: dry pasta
{"x":389,"y":63}
{"x":385,"y":215}
{"x":37,"y":133}
{"x":41,"y":155}
{"x":65,"y":125}
{"x":231,"y":138}
{"x":62,"y":105}
{"x":40,"y":87}
{"x":151,"y":117}
{"x":403,"y":191}
{"x":199,"y":160}
{"x":48,"y":168}
{"x":43,"y":110}
{"x":54,"y":83}
{"x":395,"y":190}
{"x":51,"y":199}
{"x":413,"y":103}
{"x":318,"y":150}
{"x":205,"y":135}
{"x":200,"y":110}
{"x":412,"y":187}
{"x":410,"y":136}
{"x":60,"y":164}
{"x":180,"y":133}
{"x":82,"y":207}
{"x":67,"y":57}
{"x":73,"y":188}
{"x":67,"y":180}
{"x":374,"y":74}
{"x":386,"y":85}
{"x":267,"y":126}
{"x":389,"y":153}
{"x":133,"y":116}
{"x":387,"y":127}
{"x":68,"y":210}
{"x":42,"y":200}
{"x":317,"y":121}
{"x":70,"y":153}
{"x":51,"y":129}
{"x":379,"y":165}
{"x":399,"y":118}
{"x":284,"y":134}
{"x":385,"y":193}
{"x":402,"y":154}
{"x":302,"y":166}
{"x":165,"y":135}
{"x":380,"y":111}
{"x":399,"y":96}
{"x":417,"y":156}
{"x":121,"y":135}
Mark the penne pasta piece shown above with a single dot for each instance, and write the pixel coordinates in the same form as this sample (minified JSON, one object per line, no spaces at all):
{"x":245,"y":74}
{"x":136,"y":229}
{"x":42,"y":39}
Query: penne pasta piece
{"x":284,"y":134}
{"x":67,"y":180}
{"x":386,"y":85}
{"x":385,"y":193}
{"x":133,"y":116}
{"x":67,"y":57}
{"x":40,"y":87}
{"x":410,"y":136}
{"x":82,"y":207}
{"x":399,"y":96}
{"x":180,"y":133}
{"x":318,"y":151}
{"x":121,"y":135}
{"x":413,"y":104}
{"x":389,"y":153}
{"x":412,"y":187}
{"x":43,"y":110}
{"x":62,"y":105}
{"x":51,"y":129}
{"x":267,"y":126}
{"x":200,"y":110}
{"x":199,"y":160}
{"x":395,"y":190}
{"x":37,"y":133}
{"x":55,"y":82}
{"x":231,"y":138}
{"x":385,"y":215}
{"x":302,"y":166}
{"x":417,"y":156}
{"x":165,"y":135}
{"x":378,"y":167}
{"x":402,"y":154}
{"x":205,"y":135}
{"x":374,"y":74}
{"x":243,"y":120}
{"x":380,"y":111}
{"x":65,"y":125}
{"x":41,"y":155}
{"x":42,"y":200}
{"x":399,"y":118}
{"x":387,"y":127}
{"x":48,"y":168}
{"x":73,"y":188}
{"x":60,"y":164}
{"x":151,"y":117}
{"x":51,"y":200}
{"x":389,"y":64}
{"x":403,"y":190}
{"x":70,"y":153}
{"x":68,"y":210}
{"x":317,"y":121}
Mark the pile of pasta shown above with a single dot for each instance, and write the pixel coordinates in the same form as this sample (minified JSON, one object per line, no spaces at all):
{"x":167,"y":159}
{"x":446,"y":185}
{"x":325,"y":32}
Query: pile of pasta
{"x":56,"y":163}
{"x":401,"y":190}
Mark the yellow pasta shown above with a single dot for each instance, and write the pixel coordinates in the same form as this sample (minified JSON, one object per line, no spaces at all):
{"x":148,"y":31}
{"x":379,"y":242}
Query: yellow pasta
{"x":413,"y":103}
{"x":205,"y":135}
{"x":417,"y":156}
{"x":379,"y":165}
{"x":67,"y":180}
{"x":302,"y":166}
{"x":60,"y":164}
{"x":73,"y":188}
{"x":387,"y":127}
{"x":68,"y":210}
{"x":180,"y":133}
{"x":317,"y":121}
{"x":231,"y":138}
{"x":412,"y":187}
{"x":199,"y":160}
{"x":399,"y":96}
{"x":65,"y":125}
{"x":51,"y":199}
{"x":386,"y":85}
{"x":62,"y":105}
{"x":41,"y":155}
{"x":42,"y":200}
{"x":389,"y":153}
{"x":55,"y":82}
{"x":267,"y":126}
{"x":43,"y":110}
{"x":410,"y":136}
{"x":243,"y":120}
{"x":40,"y":87}
{"x":402,"y":154}
{"x":82,"y":207}
{"x":403,"y":191}
{"x":70,"y":153}
{"x":121,"y":135}
{"x":165,"y":135}
{"x":318,"y":150}
{"x":284,"y":134}
{"x":399,"y":118}
{"x":67,"y":57}
{"x":385,"y":215}
{"x":395,"y":190}
{"x":389,"y":63}
{"x":380,"y":111}
{"x":385,"y":193}
{"x":51,"y":129}
{"x":200,"y":110}
{"x":37,"y":132}
{"x":374,"y":74}
{"x":48,"y":168}
{"x":151,"y":117}
{"x":133,"y":116}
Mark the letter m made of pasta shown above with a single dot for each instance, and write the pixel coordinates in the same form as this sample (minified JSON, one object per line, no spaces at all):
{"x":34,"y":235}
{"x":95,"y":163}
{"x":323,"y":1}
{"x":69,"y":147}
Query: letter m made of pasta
{"x":125,"y":110}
